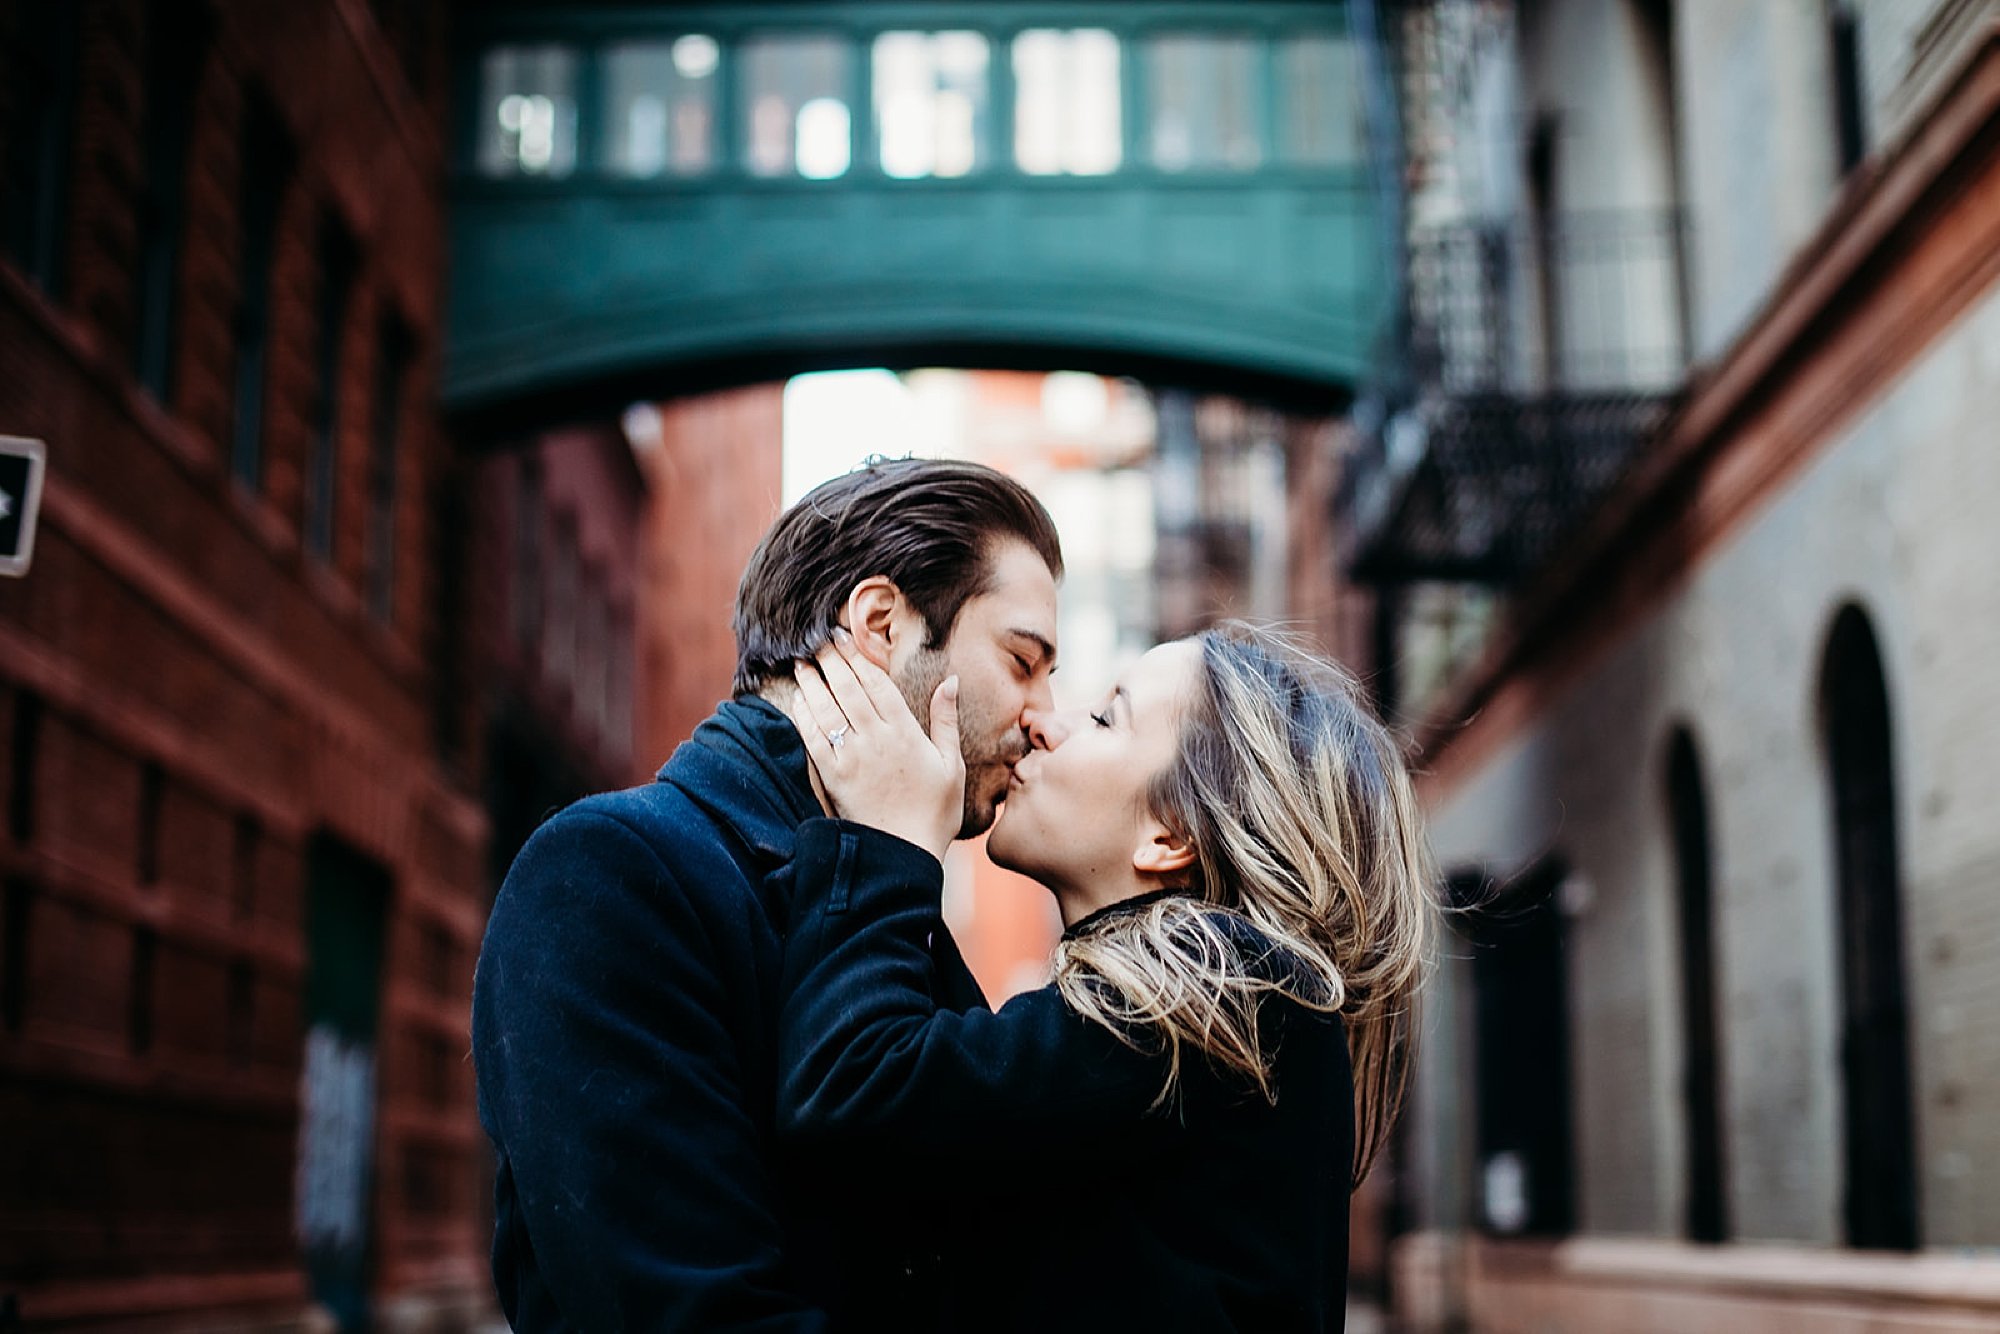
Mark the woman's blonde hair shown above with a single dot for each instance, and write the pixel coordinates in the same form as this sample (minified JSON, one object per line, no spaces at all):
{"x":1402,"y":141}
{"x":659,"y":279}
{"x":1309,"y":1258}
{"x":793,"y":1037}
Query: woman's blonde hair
{"x":1311,"y":879}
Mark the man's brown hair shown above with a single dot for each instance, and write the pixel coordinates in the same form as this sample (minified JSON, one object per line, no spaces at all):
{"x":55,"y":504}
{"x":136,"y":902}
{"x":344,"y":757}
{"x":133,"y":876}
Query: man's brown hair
{"x":928,"y":525}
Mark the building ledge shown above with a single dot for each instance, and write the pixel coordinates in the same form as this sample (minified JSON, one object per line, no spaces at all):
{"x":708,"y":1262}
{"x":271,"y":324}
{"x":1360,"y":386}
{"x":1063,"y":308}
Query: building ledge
{"x":1796,"y":1273}
{"x":1584,"y":1285}
{"x":278,"y":1298}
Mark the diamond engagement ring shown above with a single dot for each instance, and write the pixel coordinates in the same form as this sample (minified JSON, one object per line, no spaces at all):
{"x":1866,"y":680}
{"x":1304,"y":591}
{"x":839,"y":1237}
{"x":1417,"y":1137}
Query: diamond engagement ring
{"x":837,"y":737}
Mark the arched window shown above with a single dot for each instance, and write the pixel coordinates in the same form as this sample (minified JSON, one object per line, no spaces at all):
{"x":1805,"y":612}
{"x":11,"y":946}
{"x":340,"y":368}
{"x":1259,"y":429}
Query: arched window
{"x":1687,"y":813}
{"x":1850,"y":117}
{"x":177,"y":51}
{"x":1881,"y":1183}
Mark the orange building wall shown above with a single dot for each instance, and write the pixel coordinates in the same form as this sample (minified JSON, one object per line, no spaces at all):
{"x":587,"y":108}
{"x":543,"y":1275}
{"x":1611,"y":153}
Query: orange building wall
{"x":714,"y":478}
{"x":1005,"y":924}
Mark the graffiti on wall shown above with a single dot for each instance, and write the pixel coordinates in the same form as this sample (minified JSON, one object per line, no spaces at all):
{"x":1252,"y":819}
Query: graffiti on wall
{"x":336,"y":1135}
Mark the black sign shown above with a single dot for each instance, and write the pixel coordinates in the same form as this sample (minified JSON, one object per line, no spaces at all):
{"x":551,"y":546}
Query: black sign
{"x":20,"y":494}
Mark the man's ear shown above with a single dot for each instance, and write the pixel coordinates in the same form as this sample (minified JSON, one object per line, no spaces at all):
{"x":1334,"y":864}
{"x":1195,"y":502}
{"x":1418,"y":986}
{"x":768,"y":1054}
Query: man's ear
{"x":873,"y":614}
{"x":1163,"y":852}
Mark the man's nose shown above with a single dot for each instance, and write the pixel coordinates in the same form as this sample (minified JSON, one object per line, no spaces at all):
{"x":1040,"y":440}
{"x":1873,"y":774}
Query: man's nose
{"x":1041,"y":698}
{"x":1047,"y":729}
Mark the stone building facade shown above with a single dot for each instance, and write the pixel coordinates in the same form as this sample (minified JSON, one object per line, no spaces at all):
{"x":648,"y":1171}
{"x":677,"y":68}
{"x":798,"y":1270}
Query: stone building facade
{"x":1725,"y":753}
{"x":241,"y":884}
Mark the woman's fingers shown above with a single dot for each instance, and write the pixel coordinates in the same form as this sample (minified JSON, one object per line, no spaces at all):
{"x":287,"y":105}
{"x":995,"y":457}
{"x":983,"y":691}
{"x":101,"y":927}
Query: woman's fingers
{"x":881,"y":689}
{"x":854,"y":700}
{"x":944,"y":724}
{"x":823,"y":718}
{"x":887,"y":774}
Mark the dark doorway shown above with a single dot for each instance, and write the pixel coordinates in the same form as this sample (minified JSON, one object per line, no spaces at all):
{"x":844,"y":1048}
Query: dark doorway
{"x":1881,"y":1194}
{"x":529,"y":777}
{"x":1687,"y":810}
{"x":1521,"y":1047}
{"x":347,"y":912}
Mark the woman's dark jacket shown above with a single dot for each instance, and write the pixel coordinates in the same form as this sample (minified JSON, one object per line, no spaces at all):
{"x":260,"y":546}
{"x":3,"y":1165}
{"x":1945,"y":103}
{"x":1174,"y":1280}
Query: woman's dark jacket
{"x":1080,"y":1207}
{"x":625,"y":1040}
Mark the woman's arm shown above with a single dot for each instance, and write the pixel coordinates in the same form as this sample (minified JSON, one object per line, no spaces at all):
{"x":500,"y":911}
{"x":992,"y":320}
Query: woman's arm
{"x":870,"y":1065}
{"x":867,"y":1062}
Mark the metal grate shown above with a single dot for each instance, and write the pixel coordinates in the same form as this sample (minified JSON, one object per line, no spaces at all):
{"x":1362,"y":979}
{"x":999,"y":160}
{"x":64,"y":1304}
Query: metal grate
{"x":1542,"y":354}
{"x":1500,"y":481}
{"x":1588,"y":301}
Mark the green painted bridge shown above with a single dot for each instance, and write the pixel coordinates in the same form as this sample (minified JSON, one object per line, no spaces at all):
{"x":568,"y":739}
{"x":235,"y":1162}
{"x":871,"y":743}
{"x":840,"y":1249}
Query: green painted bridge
{"x":658,"y":195}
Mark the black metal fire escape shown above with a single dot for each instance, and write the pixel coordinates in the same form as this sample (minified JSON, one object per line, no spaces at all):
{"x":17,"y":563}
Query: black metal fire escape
{"x":1537,"y":352}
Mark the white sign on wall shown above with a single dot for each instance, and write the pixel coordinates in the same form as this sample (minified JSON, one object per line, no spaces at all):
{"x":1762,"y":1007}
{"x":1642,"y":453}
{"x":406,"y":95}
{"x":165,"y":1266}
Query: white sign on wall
{"x":21,"y":462}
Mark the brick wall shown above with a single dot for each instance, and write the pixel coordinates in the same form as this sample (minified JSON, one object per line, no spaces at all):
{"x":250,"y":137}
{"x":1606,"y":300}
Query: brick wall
{"x":210,"y":703}
{"x":553,"y":580}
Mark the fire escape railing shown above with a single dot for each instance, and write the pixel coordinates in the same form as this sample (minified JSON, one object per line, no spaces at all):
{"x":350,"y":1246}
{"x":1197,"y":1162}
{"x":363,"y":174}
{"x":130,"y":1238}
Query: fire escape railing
{"x":1539,"y":356}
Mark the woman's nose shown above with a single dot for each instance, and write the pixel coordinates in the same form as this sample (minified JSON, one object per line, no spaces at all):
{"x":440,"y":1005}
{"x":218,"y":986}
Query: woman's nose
{"x":1047,"y":729}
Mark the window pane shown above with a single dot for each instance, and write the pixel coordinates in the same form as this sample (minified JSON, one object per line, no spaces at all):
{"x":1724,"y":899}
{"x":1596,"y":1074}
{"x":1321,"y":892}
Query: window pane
{"x":1321,"y":80}
{"x":394,"y":350}
{"x":527,"y":111}
{"x":1066,"y":102}
{"x":1202,"y":93}
{"x":794,"y":106}
{"x":340,"y":262}
{"x":41,"y":70}
{"x":269,"y":159}
{"x":930,"y":102}
{"x":659,"y":106}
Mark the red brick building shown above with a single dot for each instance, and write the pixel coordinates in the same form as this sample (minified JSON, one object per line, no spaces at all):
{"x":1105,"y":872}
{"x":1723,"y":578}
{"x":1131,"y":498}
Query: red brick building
{"x":240,"y":884}
{"x":551,"y":603}
{"x":714,"y":468}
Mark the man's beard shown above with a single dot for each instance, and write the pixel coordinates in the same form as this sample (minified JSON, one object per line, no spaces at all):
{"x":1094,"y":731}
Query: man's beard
{"x":986,"y":758}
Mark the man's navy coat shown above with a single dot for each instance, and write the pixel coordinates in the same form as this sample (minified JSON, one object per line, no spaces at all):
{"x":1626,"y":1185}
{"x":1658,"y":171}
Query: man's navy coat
{"x":625,"y":1038}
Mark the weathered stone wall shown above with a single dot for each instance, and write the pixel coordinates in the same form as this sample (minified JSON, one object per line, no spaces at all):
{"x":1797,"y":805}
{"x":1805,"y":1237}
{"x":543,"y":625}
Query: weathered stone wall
{"x":1895,"y":517}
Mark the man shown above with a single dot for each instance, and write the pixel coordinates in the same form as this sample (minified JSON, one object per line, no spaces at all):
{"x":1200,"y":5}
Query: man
{"x":624,"y":1009}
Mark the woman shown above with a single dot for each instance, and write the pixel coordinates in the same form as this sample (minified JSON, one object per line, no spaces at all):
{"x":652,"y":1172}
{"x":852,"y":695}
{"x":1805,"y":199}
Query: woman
{"x":1166,"y":1136}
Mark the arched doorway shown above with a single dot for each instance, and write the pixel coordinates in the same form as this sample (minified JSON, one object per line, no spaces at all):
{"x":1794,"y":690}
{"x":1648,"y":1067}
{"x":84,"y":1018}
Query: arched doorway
{"x":1881,"y":1181}
{"x":1687,"y":812}
{"x":1520,"y":985}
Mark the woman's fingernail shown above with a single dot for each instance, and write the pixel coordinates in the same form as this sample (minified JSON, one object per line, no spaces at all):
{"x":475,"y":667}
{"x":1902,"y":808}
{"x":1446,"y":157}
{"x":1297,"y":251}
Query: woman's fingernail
{"x":840,"y":635}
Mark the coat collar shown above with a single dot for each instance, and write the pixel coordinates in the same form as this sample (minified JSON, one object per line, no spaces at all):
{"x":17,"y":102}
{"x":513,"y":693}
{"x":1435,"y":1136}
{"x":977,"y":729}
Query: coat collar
{"x":1122,"y":908}
{"x":746,"y":766}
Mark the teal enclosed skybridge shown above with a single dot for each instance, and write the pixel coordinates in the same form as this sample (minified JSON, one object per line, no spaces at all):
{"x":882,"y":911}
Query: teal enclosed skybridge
{"x":650,"y":198}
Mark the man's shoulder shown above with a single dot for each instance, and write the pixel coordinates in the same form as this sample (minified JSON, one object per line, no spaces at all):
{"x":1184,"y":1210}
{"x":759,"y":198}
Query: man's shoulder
{"x":655,"y":819}
{"x":644,"y":809}
{"x":646,"y":850}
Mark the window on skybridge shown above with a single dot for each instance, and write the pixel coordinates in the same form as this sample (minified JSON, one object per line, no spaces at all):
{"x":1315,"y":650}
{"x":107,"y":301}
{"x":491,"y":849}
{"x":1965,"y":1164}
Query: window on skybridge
{"x":527,"y":111}
{"x":1320,"y":109}
{"x":1203,"y":104}
{"x":659,"y":106}
{"x":1202,"y":92}
{"x":1067,"y":102}
{"x":794,"y":105}
{"x":931,"y":104}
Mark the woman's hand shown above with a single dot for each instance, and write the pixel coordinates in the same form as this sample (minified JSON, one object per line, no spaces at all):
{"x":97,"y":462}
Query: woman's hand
{"x":876,"y":764}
